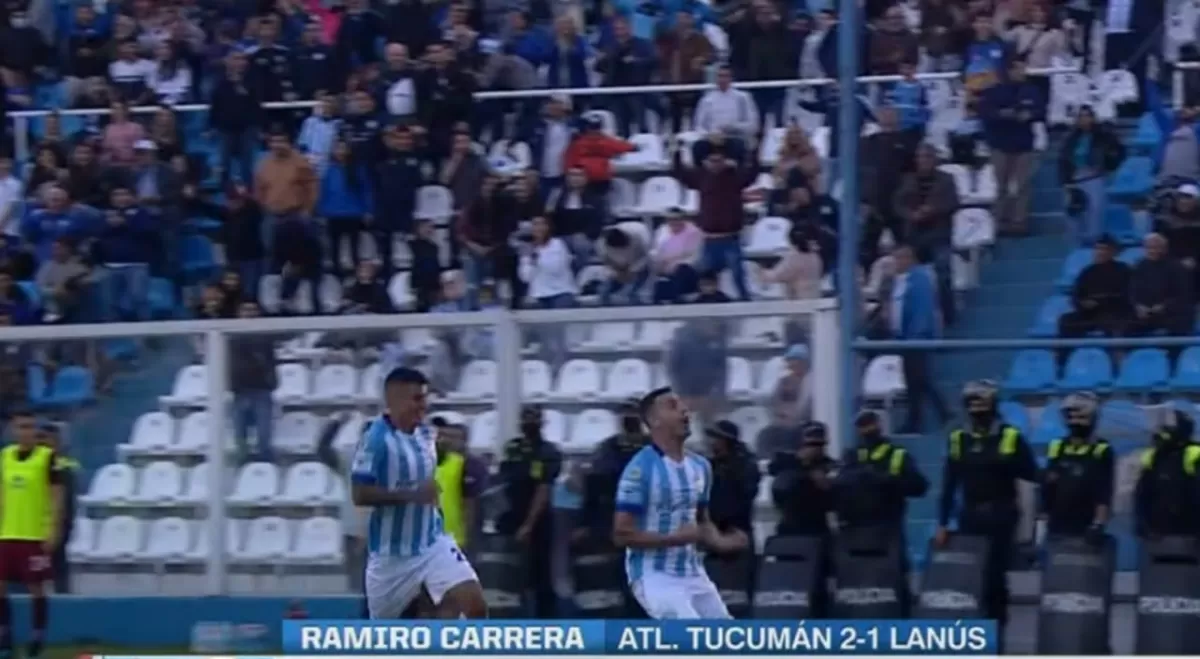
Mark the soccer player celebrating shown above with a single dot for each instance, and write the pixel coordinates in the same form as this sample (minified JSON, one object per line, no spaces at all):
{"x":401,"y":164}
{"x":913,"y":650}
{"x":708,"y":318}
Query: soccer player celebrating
{"x":31,"y":503}
{"x":407,"y":547}
{"x":661,"y":518}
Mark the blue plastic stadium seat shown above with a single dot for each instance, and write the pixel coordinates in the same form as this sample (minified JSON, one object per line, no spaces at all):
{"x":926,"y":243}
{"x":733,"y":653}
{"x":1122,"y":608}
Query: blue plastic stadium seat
{"x":1015,"y":415}
{"x":1131,"y":255}
{"x":1075,"y":263}
{"x":162,"y":298}
{"x":1119,"y":222}
{"x":1144,"y":370}
{"x":1133,"y":179}
{"x":73,"y":385}
{"x":31,"y":291}
{"x":1046,"y":323}
{"x":35,"y":384}
{"x":1187,"y":370}
{"x":1087,"y":368}
{"x":198,"y":259}
{"x":1050,"y":425}
{"x":1032,"y":371}
{"x":1148,"y":135}
{"x":1123,"y":422}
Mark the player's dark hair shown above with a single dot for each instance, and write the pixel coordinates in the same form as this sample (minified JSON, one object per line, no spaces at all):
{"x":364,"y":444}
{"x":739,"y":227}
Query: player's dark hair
{"x":647,"y":402}
{"x":405,"y":375}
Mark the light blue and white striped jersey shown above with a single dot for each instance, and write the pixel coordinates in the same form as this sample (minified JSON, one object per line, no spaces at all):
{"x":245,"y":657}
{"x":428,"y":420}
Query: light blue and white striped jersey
{"x":664,"y":495}
{"x":396,"y":461}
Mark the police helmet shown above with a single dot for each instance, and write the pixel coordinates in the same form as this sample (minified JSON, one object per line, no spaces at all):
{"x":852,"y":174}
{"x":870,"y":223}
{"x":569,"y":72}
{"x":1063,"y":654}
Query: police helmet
{"x":980,"y":396}
{"x":1080,"y":407}
{"x":1179,"y":426}
{"x":814,"y":432}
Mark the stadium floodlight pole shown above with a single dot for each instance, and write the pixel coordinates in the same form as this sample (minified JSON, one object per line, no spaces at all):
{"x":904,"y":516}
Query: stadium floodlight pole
{"x":847,"y":276}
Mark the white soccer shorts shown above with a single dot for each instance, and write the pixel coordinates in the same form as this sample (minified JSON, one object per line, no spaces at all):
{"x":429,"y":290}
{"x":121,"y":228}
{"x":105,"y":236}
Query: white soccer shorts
{"x":393,"y":582}
{"x":669,"y":597}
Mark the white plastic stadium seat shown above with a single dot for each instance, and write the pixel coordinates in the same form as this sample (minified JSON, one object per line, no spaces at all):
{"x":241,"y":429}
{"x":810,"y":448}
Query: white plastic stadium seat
{"x":610,"y":336}
{"x":650,"y":155}
{"x":296,"y":433}
{"x":267,"y":539}
{"x":820,"y":140}
{"x":629,"y":378}
{"x":536,"y":379}
{"x":654,"y":334}
{"x":256,"y":484}
{"x":196,"y":489}
{"x":83,"y":540}
{"x":884,"y":378}
{"x":684,"y":141}
{"x":434,"y":202}
{"x":167,"y":540}
{"x":191,"y":386}
{"x":659,"y":194}
{"x":973,"y":228}
{"x":751,"y":421}
{"x":193,"y":434}
{"x":293,"y":385}
{"x":1118,"y":86}
{"x":592,"y":427}
{"x":1068,"y":92}
{"x":336,"y":383}
{"x":160,"y":483}
{"x":554,"y":426}
{"x":233,"y":540}
{"x":153,"y":433}
{"x":738,"y":381}
{"x":114,"y":484}
{"x":484,"y":430}
{"x":772,"y":370}
{"x":307,"y":484}
{"x":318,"y":542}
{"x":769,"y":235}
{"x":400,"y":290}
{"x":578,"y":379}
{"x":622,"y":198}
{"x":478,"y":381}
{"x":768,"y":151}
{"x":760,"y":332}
{"x":270,"y":292}
{"x":118,"y":539}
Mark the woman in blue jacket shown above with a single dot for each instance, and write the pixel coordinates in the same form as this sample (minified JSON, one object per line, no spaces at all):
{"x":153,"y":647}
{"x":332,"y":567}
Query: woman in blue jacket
{"x":344,"y":202}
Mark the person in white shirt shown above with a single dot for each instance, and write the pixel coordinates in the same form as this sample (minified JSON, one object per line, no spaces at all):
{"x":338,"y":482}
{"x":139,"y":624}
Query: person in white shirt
{"x":171,"y":78}
{"x":12,"y":192}
{"x":546,"y":268}
{"x":726,"y":109}
{"x":555,"y":138}
{"x":674,"y":256}
{"x":130,"y":74}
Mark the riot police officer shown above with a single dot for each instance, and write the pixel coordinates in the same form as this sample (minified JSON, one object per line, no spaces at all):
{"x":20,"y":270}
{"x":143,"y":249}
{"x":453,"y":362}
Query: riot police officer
{"x":878,"y":479}
{"x":1077,"y":483}
{"x":802,"y":490}
{"x":604,"y":470}
{"x":529,"y":469}
{"x":983,"y":463}
{"x":1167,"y":495}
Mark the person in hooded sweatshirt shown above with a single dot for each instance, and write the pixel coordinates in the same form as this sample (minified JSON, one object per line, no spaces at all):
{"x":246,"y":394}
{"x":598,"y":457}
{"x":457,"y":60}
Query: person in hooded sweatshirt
{"x":125,"y":245}
{"x":1161,"y":291}
{"x":345,"y":202}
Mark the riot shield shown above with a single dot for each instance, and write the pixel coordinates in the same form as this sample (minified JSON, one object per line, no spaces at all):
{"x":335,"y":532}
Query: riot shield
{"x":869,"y":569}
{"x":599,"y":575}
{"x":953,"y":584}
{"x":1168,"y":616}
{"x":790,"y":578}
{"x":502,"y":569}
{"x":1076,"y":596}
{"x":732,"y":575}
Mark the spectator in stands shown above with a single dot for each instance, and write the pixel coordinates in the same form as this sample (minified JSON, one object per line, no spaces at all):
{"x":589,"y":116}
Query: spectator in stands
{"x":1088,"y":155}
{"x":359,"y":126}
{"x":462,"y":171}
{"x":167,"y":135}
{"x":232,"y":291}
{"x":798,"y":163}
{"x":23,"y":49}
{"x":171,"y":77}
{"x":125,"y":246}
{"x":12,"y":194}
{"x":771,"y":55}
{"x":800,"y":268}
{"x":314,"y":62}
{"x":577,"y":214}
{"x":1039,"y":42}
{"x":828,"y":102}
{"x":625,"y":62}
{"x":159,"y":191}
{"x":236,"y":115}
{"x":86,"y":61}
{"x":567,"y":56}
{"x":926,"y":203}
{"x":366,"y":293}
{"x":545,"y":267}
{"x":592,"y":151}
{"x":397,"y":85}
{"x":445,"y":99}
{"x":1181,"y":149}
{"x":1161,"y":292}
{"x":885,"y":158}
{"x":727,"y":111}
{"x":345,"y":204}
{"x":285,"y":186}
{"x":46,"y":169}
{"x":120,"y":135}
{"x":16,"y":358}
{"x":912,"y":314}
{"x":271,"y":65}
{"x":720,"y":180}
{"x":358,"y":36}
{"x":18,"y":304}
{"x":1100,"y":295}
{"x":1010,"y":110}
{"x":89,"y":182}
{"x":483,"y":234}
{"x":398,"y":177}
{"x":130,"y":75}
{"x":1179,"y":222}
{"x":318,"y":131}
{"x":62,"y":281}
{"x":892,"y":44}
{"x":986,"y":54}
{"x":425,"y":269}
{"x":298,"y":257}
{"x":548,"y":139}
{"x":697,"y":367}
{"x":790,"y":403}
{"x":910,"y":100}
{"x":58,"y":218}
{"x":624,"y":249}
{"x":683,"y":59}
{"x":674,"y":257}
{"x":252,"y":379}
{"x":242,"y":235}
{"x":708,"y":289}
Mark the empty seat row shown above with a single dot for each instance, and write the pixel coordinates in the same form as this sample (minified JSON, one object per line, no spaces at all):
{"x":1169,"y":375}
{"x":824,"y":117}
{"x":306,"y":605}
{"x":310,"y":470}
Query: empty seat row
{"x":165,"y":483}
{"x":124,"y":539}
{"x":160,"y":434}
{"x":1142,"y":371}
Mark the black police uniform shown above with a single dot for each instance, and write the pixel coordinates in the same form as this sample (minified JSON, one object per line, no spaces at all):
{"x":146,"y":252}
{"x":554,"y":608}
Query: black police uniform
{"x":1078,"y":479}
{"x":735,"y":482}
{"x":530,"y":463}
{"x":804,"y":502}
{"x":985,"y":465}
{"x":1167,"y":494}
